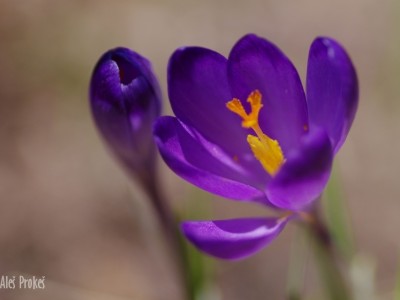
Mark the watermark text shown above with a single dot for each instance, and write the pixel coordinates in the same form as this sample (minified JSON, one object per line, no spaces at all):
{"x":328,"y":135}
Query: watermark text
{"x":22,"y":282}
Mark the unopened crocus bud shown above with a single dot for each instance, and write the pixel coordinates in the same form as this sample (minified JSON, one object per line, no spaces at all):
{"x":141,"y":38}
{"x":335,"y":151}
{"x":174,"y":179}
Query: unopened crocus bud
{"x":125,"y":99}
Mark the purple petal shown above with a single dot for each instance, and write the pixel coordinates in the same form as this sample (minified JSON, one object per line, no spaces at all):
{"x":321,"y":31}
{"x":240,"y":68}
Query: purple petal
{"x":332,"y":89}
{"x":203,"y":164}
{"x":233,"y":239}
{"x":304,"y":175}
{"x":125,"y":100}
{"x":198,"y":89}
{"x":256,"y":64}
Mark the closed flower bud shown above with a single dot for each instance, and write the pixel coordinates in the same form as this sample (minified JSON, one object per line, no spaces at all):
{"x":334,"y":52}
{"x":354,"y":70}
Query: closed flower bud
{"x":125,"y":100}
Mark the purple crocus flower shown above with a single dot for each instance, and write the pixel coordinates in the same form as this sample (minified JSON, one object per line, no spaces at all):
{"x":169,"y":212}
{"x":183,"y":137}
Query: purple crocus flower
{"x":125,"y":99}
{"x":246,"y":130}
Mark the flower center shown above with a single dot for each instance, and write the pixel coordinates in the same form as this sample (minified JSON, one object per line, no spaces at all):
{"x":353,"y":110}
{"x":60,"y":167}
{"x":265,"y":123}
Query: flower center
{"x":266,"y":150}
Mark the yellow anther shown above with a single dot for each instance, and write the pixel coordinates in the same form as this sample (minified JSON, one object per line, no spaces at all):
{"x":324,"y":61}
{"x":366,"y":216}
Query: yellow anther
{"x":265,"y":149}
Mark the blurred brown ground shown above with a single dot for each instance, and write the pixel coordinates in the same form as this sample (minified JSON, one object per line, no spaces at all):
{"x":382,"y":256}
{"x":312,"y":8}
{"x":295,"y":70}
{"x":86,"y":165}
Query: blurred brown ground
{"x":69,"y":213}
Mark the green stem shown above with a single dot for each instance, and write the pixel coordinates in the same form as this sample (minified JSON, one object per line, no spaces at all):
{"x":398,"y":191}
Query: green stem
{"x":337,"y":218}
{"x":298,"y":258}
{"x":169,"y":225}
{"x":325,"y":252}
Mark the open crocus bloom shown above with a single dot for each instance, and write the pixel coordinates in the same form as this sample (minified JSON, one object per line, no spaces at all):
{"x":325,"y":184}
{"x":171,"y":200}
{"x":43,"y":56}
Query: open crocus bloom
{"x":245,"y":130}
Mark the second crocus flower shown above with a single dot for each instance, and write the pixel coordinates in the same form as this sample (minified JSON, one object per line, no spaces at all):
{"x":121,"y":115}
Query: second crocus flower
{"x":125,"y":100}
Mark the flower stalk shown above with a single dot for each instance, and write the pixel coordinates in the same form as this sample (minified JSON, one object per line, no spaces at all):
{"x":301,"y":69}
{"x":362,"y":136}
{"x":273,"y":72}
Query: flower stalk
{"x":168,"y":223}
{"x":326,"y":257}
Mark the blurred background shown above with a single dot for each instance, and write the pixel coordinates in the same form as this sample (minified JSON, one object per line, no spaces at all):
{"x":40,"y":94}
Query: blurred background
{"x":68,"y":212}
